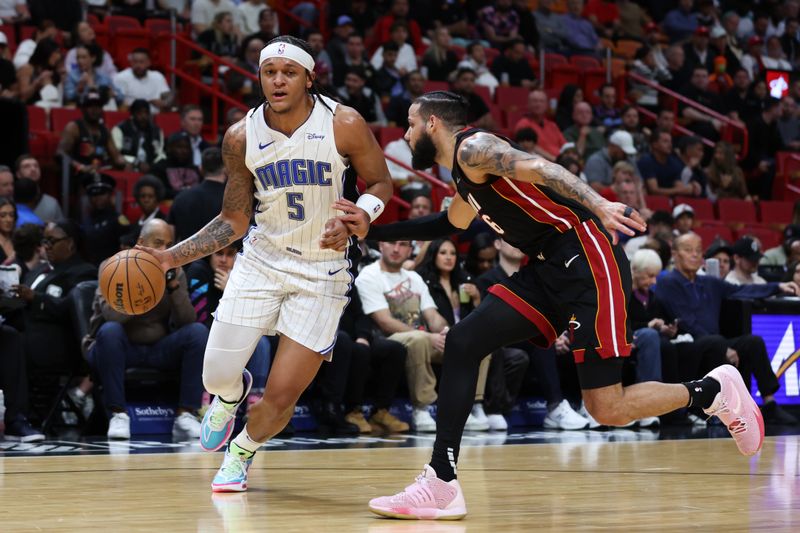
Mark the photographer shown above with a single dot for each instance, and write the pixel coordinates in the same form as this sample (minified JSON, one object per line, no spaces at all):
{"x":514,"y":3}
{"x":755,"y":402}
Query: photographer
{"x":165,"y":338}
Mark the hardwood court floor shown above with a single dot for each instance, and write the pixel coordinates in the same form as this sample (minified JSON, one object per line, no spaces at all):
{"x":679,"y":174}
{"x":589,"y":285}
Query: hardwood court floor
{"x":636,"y":486}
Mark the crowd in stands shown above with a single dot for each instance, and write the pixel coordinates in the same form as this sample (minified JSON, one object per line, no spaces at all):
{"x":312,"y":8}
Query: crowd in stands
{"x":141,"y":165}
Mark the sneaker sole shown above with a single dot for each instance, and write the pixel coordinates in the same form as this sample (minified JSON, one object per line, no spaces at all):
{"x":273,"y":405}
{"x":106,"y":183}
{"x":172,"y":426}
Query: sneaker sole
{"x":422,"y":514}
{"x":32,"y":438}
{"x":747,"y":400}
{"x":229,"y":487}
{"x":230,"y":423}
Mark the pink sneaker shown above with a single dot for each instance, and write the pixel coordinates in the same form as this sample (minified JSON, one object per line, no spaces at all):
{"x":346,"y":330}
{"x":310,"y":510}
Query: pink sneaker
{"x":428,"y":498}
{"x":738,"y":411}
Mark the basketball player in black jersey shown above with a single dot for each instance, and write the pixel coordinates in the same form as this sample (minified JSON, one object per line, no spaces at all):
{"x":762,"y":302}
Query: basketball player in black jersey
{"x":577,"y":281}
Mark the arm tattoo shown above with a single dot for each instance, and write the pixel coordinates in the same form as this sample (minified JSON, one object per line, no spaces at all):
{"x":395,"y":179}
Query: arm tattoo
{"x":492,"y":155}
{"x":237,"y":203}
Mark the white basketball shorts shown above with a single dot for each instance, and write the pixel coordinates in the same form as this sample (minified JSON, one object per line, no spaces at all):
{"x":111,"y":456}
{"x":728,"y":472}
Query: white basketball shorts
{"x":282,"y":294}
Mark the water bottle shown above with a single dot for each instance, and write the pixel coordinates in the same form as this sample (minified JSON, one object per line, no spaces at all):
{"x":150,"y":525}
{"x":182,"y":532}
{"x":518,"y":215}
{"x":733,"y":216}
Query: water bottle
{"x":712,"y":267}
{"x":2,"y":412}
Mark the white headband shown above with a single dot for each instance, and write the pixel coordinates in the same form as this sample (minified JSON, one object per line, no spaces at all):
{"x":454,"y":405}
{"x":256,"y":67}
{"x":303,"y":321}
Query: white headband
{"x":288,"y":51}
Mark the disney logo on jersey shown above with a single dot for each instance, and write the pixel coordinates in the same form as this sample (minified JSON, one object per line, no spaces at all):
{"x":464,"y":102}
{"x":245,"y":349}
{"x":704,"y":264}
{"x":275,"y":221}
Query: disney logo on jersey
{"x":314,"y":137}
{"x":288,"y":172}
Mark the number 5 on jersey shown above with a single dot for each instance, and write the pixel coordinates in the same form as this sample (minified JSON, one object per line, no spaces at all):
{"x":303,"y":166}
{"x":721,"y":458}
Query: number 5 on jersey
{"x":294,"y":203}
{"x":477,"y":208}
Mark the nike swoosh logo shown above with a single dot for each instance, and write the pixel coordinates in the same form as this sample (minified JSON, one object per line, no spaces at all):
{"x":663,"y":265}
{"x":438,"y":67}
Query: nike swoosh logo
{"x":262,"y":146}
{"x":334,"y":272}
{"x":569,"y":262}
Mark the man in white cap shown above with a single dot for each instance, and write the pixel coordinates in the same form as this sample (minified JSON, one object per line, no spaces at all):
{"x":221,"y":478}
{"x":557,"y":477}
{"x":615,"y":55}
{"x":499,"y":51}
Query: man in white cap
{"x":598,"y":169}
{"x":293,"y":153}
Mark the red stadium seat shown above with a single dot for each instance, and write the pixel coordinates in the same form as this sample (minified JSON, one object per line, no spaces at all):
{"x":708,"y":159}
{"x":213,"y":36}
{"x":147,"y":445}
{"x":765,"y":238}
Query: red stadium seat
{"x":484,"y":92}
{"x":769,"y":237}
{"x":513,"y":117}
{"x":736,"y":212}
{"x":585,"y":62}
{"x":658,"y":203}
{"x":37,"y":118}
{"x":112,"y":118}
{"x":388,"y":134}
{"x":491,"y":55}
{"x":125,"y":181}
{"x":554,"y":59}
{"x":775,"y":212}
{"x":710,"y":232}
{"x":561,"y":75}
{"x":117,"y":22}
{"x":593,"y":79}
{"x":61,"y":116}
{"x":8,"y":30}
{"x":511,"y":98}
{"x":168,"y":122}
{"x":703,"y":208}
{"x":436,"y":86}
{"x":497,"y":114}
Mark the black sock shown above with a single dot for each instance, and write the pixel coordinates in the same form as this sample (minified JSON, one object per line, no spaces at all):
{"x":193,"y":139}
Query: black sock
{"x":443,"y":461}
{"x":702,"y":392}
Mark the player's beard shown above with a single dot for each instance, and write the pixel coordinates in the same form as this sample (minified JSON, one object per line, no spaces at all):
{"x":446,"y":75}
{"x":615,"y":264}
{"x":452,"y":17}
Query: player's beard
{"x":423,"y":155}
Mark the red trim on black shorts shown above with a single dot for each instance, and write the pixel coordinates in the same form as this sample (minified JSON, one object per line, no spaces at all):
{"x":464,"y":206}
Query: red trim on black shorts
{"x":611,"y":317}
{"x":527,"y":310}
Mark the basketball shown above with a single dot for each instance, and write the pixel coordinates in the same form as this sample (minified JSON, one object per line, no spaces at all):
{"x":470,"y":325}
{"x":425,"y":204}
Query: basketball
{"x":132,"y":282}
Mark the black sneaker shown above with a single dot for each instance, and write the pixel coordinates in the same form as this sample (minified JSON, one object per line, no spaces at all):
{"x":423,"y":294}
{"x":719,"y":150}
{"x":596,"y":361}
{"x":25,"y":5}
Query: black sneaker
{"x":20,"y":430}
{"x":774,"y":414}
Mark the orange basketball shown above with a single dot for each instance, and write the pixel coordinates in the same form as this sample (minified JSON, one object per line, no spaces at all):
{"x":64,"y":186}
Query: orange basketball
{"x":132,"y":282}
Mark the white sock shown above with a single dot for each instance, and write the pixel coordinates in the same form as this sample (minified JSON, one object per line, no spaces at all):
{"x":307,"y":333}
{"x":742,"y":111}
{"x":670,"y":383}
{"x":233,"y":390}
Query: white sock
{"x":244,"y":441}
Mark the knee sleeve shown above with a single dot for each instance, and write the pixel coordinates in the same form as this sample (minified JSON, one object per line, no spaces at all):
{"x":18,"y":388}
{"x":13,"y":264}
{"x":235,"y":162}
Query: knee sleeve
{"x":228,"y":349}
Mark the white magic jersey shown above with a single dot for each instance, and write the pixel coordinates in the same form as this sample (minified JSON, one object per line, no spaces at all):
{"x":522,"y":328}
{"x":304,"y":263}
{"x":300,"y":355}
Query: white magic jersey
{"x":297,"y":179}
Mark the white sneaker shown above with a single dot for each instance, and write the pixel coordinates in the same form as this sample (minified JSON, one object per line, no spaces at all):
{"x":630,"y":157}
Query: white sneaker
{"x":565,"y":417}
{"x":187,"y":424}
{"x":422,"y":421}
{"x":497,"y":423}
{"x":477,"y":420}
{"x":593,"y":424}
{"x":119,"y":427}
{"x":649,"y":422}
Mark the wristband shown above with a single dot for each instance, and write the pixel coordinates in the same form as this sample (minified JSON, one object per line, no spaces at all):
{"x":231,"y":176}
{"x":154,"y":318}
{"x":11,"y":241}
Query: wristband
{"x":371,"y":204}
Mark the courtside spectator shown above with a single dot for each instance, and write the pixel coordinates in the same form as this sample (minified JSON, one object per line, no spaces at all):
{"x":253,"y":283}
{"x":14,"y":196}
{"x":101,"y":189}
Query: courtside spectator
{"x":39,"y":78}
{"x":681,"y":22}
{"x":87,"y":141}
{"x":105,"y":226}
{"x":165,"y":338}
{"x":725,"y":177}
{"x":746,"y":256}
{"x":661,"y":168}
{"x":550,"y":138}
{"x":139,"y":82}
{"x":28,"y":248}
{"x":363,"y":99}
{"x":195,"y":207}
{"x":249,"y":12}
{"x":399,"y":303}
{"x":148,"y":191}
{"x":599,"y":166}
{"x":84,"y":33}
{"x":6,"y":183}
{"x":606,"y":112}
{"x":398,"y":12}
{"x":439,"y":59}
{"x":177,"y":171}
{"x":397,"y":110}
{"x":138,"y":138}
{"x":406,"y":59}
{"x":354,"y":57}
{"x":85,"y":78}
{"x":499,"y":23}
{"x":478,"y":113}
{"x":25,"y":193}
{"x":579,"y":35}
{"x":45,"y":30}
{"x":512,"y":67}
{"x":235,"y":82}
{"x":192,"y":125}
{"x":588,"y":139}
{"x":551,"y":30}
{"x":47,"y":208}
{"x":787,"y":252}
{"x":476,"y":60}
{"x":204,"y":11}
{"x":388,"y":81}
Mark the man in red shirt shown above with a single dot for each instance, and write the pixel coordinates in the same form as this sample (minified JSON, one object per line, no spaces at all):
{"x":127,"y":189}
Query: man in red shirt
{"x":550,"y":137}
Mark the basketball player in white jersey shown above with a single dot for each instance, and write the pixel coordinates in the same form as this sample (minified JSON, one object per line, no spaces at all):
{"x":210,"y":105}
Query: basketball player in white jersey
{"x":291,"y":152}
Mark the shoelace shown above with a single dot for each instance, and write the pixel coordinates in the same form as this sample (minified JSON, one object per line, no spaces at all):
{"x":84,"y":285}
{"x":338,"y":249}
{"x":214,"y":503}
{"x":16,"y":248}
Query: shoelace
{"x":416,"y":493}
{"x":233,"y":467}
{"x":220,"y":414}
{"x":739,"y":425}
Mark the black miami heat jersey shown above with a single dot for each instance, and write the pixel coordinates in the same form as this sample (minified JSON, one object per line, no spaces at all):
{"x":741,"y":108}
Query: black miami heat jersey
{"x":526,"y":215}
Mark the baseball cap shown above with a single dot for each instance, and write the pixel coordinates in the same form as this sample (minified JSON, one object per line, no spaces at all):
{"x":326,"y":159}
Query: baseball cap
{"x":624,"y":140}
{"x":748,"y":248}
{"x":92,"y":97}
{"x":3,"y":38}
{"x":566,"y":146}
{"x":682,"y":209}
{"x":717,"y":32}
{"x":791,"y":233}
{"x":755,"y":39}
{"x":701,"y":31}
{"x":650,"y":27}
{"x":344,"y":20}
{"x":97,"y":184}
{"x":719,"y":245}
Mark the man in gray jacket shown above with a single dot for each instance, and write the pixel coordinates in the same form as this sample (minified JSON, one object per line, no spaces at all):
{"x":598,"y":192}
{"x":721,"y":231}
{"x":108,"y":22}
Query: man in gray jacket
{"x":166,"y":338}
